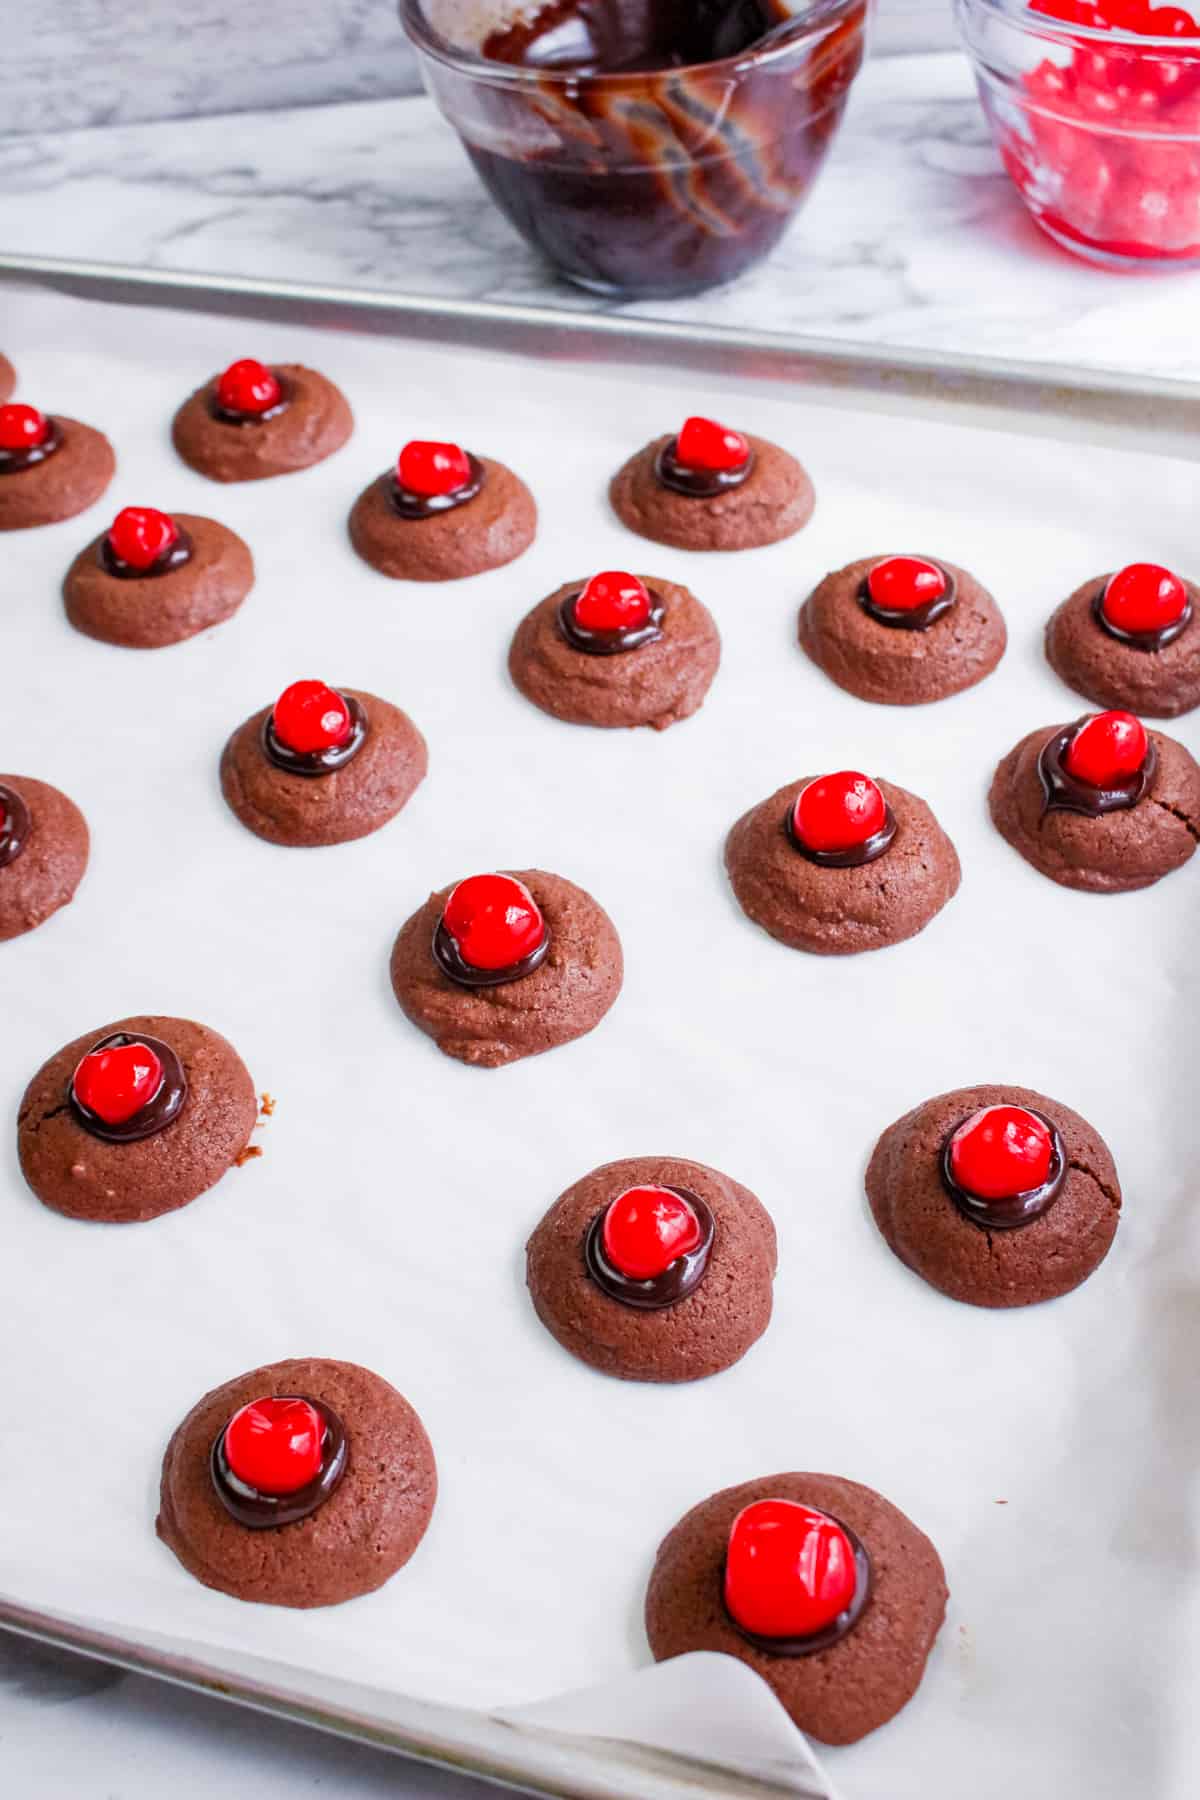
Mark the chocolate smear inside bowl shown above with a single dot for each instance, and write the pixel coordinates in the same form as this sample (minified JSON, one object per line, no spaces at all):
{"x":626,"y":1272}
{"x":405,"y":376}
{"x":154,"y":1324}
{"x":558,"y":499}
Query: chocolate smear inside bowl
{"x":645,"y":147}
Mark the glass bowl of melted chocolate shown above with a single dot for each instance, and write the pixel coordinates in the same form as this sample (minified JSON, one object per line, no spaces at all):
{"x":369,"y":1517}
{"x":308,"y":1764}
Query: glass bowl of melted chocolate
{"x":645,"y":147}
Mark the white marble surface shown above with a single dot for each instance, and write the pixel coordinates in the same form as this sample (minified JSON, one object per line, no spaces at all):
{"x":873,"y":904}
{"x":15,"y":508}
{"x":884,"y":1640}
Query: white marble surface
{"x":102,"y":62}
{"x":914,"y":236}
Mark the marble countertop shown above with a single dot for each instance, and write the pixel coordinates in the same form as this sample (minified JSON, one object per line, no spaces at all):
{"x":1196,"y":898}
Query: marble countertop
{"x":914,"y":236}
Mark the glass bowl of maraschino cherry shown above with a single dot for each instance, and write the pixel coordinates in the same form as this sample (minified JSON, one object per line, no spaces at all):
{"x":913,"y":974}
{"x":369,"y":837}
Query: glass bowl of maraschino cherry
{"x":1095,"y":109}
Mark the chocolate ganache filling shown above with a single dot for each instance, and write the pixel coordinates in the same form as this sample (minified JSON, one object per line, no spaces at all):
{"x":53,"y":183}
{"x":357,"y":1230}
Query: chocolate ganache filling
{"x":177,"y":552}
{"x":15,"y":825}
{"x":159,"y":1111}
{"x":697,"y":484}
{"x":679,"y":1279}
{"x":609,"y":643}
{"x":13,"y":461}
{"x":317,"y":762}
{"x":911,"y":618}
{"x":855,"y":855}
{"x":1010,"y":1210}
{"x":451,"y":961}
{"x":231,"y":415}
{"x":829,"y":1634}
{"x":1064,"y":792}
{"x":428,"y":506}
{"x":259,"y":1511}
{"x":1140,"y":640}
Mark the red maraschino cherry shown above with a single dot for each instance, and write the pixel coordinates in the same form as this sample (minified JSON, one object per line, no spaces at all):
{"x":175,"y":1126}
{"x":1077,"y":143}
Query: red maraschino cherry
{"x":274,"y":1445}
{"x":1108,"y":748}
{"x":789,"y":1570}
{"x":1125,"y":15}
{"x":494,"y":921}
{"x":430,"y":470}
{"x":613,"y":601}
{"x":646,"y":1229}
{"x":248,"y":387}
{"x":902,"y":583}
{"x":1000,"y":1152}
{"x":1144,"y":597}
{"x":139,"y":536}
{"x":711,"y":448}
{"x":1072,"y":12}
{"x":1142,"y":17}
{"x":1165,"y":21}
{"x":116,"y":1083}
{"x":22,"y":427}
{"x":838,"y":812}
{"x":309,"y":716}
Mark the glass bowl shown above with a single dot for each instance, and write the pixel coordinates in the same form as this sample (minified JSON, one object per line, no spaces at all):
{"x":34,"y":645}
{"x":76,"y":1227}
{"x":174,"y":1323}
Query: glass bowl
{"x":1099,"y":129}
{"x":664,"y":181}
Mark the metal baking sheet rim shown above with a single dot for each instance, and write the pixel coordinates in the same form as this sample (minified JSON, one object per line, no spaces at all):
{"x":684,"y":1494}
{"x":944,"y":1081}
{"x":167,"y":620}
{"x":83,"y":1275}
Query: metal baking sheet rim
{"x":1150,"y":413}
{"x":505,"y":1753}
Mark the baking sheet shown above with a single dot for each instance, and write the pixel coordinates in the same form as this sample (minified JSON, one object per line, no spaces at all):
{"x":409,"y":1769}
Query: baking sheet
{"x":1145,"y":412}
{"x":1051,"y":1454}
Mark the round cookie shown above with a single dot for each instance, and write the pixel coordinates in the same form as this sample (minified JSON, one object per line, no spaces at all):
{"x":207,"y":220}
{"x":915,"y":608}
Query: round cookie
{"x":334,"y":807}
{"x":73,"y":1171}
{"x":315,"y":421}
{"x":709,"y":1329}
{"x":44,"y":872}
{"x":837,"y":1694}
{"x":8,"y":379}
{"x":355,"y":1540}
{"x":563,"y":998}
{"x":1012,"y":1266}
{"x":838,"y":911}
{"x":891,"y":664}
{"x":147,"y":610}
{"x":1160,"y":683}
{"x":1115,"y":853}
{"x":773,"y":502}
{"x":66,"y":481}
{"x":655,"y":683}
{"x":492,"y":528}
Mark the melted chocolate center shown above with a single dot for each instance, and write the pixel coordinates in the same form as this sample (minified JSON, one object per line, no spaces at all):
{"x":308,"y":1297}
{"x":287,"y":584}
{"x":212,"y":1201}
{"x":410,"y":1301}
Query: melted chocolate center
{"x":15,"y":825}
{"x":911,"y":618}
{"x":450,"y":960}
{"x":173,"y":557}
{"x":697,"y":484}
{"x":836,"y":1630}
{"x":229,"y":415}
{"x":1064,"y":792}
{"x":1013,"y":1209}
{"x":856,"y":855}
{"x":260,"y":1511}
{"x":428,"y":506}
{"x":609,"y":643}
{"x":1140,"y":640}
{"x":162,"y":1107}
{"x":13,"y":461}
{"x":317,"y":762}
{"x":678,"y":1279}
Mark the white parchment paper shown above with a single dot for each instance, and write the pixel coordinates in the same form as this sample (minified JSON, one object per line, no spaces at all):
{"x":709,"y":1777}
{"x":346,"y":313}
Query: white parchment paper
{"x":1050,"y":1453}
